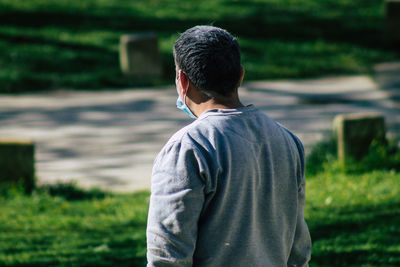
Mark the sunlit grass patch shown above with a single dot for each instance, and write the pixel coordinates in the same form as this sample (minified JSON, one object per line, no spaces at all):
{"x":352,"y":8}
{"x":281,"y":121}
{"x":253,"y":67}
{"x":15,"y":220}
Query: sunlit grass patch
{"x":74,"y":44}
{"x":50,"y":230}
{"x":353,"y":218}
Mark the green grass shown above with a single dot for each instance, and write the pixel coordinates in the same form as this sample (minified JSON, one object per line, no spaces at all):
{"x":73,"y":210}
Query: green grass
{"x":353,"y":215}
{"x":46,"y":230}
{"x":48,"y":44}
{"x":353,"y":219}
{"x":353,"y":209}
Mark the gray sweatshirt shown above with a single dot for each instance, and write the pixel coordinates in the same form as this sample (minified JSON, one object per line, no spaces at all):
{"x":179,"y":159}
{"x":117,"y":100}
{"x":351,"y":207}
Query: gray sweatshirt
{"x":228,"y":190}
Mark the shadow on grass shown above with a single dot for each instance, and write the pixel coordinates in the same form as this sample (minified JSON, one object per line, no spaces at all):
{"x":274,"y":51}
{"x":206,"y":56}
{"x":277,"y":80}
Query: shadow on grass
{"x":123,"y":252}
{"x":330,"y":21}
{"x":357,"y":236}
{"x":70,"y":191}
{"x":47,"y":63}
{"x":91,"y":231}
{"x":95,"y":67}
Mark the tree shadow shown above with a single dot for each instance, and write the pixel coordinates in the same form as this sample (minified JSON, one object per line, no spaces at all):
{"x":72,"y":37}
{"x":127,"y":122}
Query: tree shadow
{"x":330,"y":21}
{"x":97,"y":67}
{"x":357,"y":236}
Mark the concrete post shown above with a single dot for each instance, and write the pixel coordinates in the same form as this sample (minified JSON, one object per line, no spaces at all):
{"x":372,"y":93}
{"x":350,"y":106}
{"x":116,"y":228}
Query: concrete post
{"x":139,"y":56}
{"x":355,"y":133}
{"x":392,"y":23}
{"x":17,"y":164}
{"x":387,"y":75}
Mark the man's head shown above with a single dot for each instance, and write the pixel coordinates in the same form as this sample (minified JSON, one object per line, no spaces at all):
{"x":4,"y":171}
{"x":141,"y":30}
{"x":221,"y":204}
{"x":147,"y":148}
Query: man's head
{"x":210,"y":57}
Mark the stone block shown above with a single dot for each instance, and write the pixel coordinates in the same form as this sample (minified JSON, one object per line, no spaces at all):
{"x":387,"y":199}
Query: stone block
{"x":392,"y":23}
{"x":387,"y":75}
{"x":139,"y":55}
{"x":17,"y":164}
{"x":355,"y":132}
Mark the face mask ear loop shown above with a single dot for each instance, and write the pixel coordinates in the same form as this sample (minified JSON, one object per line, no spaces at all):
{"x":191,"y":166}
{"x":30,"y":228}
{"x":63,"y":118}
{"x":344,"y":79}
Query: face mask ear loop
{"x":184,"y":102}
{"x":184,"y":98}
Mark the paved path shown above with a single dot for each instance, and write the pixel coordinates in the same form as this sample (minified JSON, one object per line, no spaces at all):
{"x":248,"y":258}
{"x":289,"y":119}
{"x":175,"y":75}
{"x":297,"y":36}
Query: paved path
{"x":109,"y":139}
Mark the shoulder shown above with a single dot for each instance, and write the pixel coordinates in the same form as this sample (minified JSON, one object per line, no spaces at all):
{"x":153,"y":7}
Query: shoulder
{"x":184,"y":135}
{"x":295,"y":139}
{"x":196,"y":133}
{"x":183,"y":157}
{"x":186,"y":139}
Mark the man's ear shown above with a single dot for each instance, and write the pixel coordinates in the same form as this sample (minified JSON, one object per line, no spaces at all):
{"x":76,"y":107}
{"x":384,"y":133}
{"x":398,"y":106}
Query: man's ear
{"x":183,"y":82}
{"x":241,"y":77}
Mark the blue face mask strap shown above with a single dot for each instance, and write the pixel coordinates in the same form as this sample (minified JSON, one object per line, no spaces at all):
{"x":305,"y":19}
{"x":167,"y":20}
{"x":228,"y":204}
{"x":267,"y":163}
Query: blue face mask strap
{"x":182,"y":106}
{"x":187,"y":109}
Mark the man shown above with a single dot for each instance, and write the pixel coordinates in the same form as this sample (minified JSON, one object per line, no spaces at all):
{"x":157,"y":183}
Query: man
{"x":228,"y":189}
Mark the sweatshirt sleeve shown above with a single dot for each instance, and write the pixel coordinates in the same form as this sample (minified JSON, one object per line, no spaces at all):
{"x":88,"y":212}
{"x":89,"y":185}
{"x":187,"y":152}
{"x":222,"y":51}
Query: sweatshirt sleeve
{"x":175,"y":205}
{"x":301,"y":249}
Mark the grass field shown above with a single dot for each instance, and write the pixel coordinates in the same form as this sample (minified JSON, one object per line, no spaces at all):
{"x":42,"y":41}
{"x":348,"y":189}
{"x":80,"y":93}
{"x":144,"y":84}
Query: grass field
{"x":46,"y":230}
{"x":48,"y":44}
{"x":353,"y":219}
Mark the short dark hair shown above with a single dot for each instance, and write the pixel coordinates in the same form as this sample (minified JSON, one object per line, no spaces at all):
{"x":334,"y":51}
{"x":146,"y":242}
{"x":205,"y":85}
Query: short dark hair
{"x":210,"y":57}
